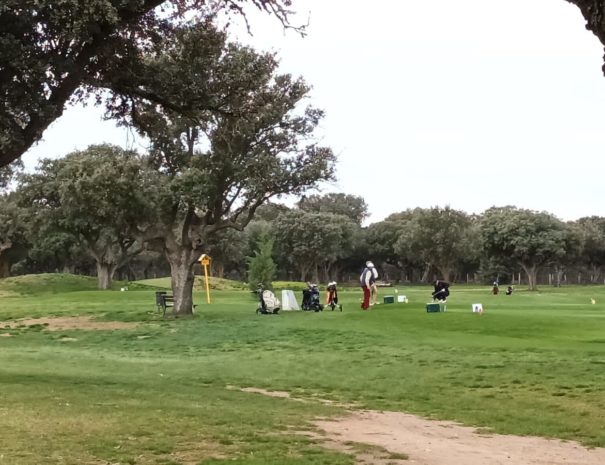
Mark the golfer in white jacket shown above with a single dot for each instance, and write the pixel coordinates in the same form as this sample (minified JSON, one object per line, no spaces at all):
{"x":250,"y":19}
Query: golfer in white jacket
{"x":368,"y":277}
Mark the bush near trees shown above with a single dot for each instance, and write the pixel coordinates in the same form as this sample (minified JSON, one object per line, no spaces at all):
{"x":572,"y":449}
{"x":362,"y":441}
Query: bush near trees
{"x":261,"y":267}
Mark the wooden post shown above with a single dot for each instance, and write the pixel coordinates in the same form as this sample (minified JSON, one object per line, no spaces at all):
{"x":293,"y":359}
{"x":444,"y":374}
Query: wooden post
{"x":205,"y":261}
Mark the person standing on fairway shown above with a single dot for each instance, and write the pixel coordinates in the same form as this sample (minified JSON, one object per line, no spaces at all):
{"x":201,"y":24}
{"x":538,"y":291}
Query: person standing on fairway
{"x":366,"y":280}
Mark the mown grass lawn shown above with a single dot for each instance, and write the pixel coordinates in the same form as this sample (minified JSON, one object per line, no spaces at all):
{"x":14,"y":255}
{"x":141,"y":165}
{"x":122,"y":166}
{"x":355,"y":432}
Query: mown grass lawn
{"x":167,"y":391}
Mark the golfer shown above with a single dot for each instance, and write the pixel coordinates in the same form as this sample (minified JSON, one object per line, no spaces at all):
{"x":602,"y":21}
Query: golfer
{"x":366,"y":280}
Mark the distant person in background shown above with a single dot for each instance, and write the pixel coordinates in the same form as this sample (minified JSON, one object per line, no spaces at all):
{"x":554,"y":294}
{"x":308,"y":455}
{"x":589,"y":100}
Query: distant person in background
{"x":509,"y":290}
{"x":495,"y":288}
{"x":366,"y":280}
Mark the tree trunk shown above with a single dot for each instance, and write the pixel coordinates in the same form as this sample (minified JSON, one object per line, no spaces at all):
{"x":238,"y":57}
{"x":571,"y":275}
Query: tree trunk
{"x":326,"y":272}
{"x":335,"y":273}
{"x":5,"y":267}
{"x":220,"y":270}
{"x":105,"y":272}
{"x":425,"y":274}
{"x":68,"y":269}
{"x":304,"y":270}
{"x":532,"y":273}
{"x":316,"y":274}
{"x":596,"y":274}
{"x":445,"y":273}
{"x":181,"y":271}
{"x":560,"y":272}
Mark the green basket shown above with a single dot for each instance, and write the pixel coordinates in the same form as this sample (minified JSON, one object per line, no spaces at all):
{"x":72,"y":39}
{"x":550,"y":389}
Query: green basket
{"x":435,"y":308}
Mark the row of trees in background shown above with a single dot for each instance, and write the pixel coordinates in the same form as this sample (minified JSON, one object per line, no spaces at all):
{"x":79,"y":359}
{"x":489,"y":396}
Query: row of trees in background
{"x":323,"y":239}
{"x":106,"y":211}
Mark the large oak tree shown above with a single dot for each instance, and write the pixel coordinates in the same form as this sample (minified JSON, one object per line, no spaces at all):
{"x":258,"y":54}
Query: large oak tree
{"x":99,"y":196}
{"x":531,"y":239}
{"x":314,"y":242}
{"x":592,"y":233}
{"x":55,"y":52}
{"x":439,"y":237}
{"x":218,"y":167}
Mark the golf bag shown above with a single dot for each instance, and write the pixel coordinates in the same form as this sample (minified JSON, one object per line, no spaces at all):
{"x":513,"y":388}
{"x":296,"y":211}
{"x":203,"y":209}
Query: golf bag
{"x":442,"y":290}
{"x":310,"y":300}
{"x":332,"y":296}
{"x":268,"y":304}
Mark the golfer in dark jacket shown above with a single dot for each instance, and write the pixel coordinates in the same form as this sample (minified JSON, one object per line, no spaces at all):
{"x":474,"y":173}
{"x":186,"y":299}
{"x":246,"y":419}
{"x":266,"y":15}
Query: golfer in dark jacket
{"x":367,"y":278}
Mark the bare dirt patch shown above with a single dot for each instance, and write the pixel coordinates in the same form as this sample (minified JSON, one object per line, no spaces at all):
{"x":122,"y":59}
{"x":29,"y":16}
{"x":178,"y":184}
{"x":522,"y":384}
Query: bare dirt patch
{"x":287,"y":395}
{"x":265,"y":392}
{"x":74,"y":322}
{"x":429,"y":442}
{"x":393,"y":438}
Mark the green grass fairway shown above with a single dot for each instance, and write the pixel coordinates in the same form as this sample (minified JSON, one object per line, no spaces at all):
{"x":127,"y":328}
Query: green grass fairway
{"x":166,"y":392}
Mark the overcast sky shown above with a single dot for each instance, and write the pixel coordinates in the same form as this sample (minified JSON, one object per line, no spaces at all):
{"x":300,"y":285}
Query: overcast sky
{"x":466,"y":103}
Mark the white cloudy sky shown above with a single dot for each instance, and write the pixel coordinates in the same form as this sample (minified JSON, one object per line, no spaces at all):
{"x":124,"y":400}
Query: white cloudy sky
{"x":467,"y":103}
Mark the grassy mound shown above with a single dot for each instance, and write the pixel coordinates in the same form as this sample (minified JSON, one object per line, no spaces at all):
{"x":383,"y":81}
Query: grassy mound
{"x":199,"y":284}
{"x":46,"y":283}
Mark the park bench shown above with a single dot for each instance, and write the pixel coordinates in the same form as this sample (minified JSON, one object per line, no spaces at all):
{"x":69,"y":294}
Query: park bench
{"x":163,"y":300}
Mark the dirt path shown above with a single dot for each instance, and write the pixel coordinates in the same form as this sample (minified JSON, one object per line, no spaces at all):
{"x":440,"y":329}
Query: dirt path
{"x":400,"y":438}
{"x":69,"y":322}
{"x":428,"y":442}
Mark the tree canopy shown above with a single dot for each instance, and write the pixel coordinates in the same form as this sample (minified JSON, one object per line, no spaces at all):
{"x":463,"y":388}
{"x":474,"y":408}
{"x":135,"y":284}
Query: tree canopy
{"x":532,"y":239}
{"x":8,"y":173}
{"x":100,"y":196}
{"x":439,"y":237}
{"x":53,"y":53}
{"x":56,"y":52}
{"x":594,"y":13}
{"x":351,"y":206}
{"x":13,"y":231}
{"x":218,"y":167}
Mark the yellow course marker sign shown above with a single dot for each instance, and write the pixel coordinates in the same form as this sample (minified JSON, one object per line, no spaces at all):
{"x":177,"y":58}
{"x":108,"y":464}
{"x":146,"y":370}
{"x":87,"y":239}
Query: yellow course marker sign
{"x":205,"y":261}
